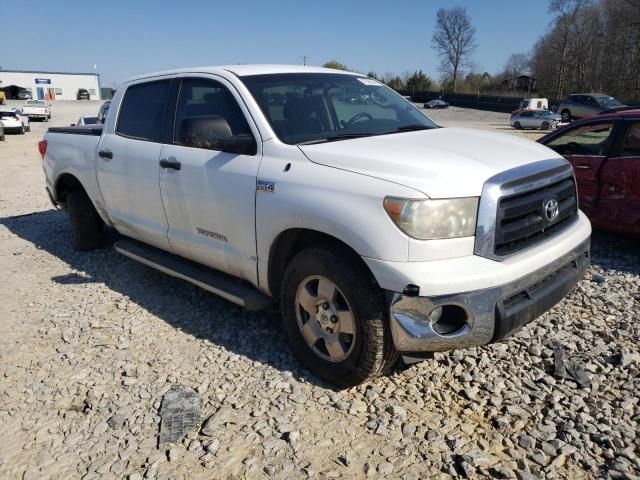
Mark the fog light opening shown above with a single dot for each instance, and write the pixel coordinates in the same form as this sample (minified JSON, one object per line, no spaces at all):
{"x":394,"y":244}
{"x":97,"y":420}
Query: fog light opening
{"x":448,"y":319}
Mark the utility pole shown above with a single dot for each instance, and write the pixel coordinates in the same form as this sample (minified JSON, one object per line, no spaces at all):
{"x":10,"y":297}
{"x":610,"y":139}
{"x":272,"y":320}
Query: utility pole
{"x":304,"y":59}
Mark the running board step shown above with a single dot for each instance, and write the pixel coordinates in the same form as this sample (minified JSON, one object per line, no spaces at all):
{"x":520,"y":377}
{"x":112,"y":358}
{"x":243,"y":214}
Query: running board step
{"x":226,"y":286}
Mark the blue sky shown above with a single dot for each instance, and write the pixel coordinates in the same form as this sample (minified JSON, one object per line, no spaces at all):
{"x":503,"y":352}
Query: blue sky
{"x":128,"y":37}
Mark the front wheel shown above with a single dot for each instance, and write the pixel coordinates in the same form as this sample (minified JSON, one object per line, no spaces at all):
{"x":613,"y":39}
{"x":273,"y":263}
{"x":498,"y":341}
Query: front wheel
{"x":334,"y":316}
{"x":545,"y":126}
{"x":28,"y":129}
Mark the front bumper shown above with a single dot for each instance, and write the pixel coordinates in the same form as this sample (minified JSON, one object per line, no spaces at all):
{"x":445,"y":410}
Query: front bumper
{"x":492,"y":313}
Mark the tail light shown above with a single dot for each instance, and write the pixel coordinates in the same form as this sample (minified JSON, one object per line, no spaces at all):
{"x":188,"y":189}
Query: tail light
{"x":42,"y":148}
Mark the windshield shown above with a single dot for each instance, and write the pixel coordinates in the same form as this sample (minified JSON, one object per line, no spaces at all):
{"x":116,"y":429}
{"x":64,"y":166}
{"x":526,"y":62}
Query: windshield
{"x":608,"y":102}
{"x":320,"y":107}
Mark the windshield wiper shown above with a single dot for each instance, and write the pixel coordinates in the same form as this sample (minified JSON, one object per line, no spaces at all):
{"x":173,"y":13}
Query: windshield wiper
{"x":335,"y":138}
{"x":411,"y":128}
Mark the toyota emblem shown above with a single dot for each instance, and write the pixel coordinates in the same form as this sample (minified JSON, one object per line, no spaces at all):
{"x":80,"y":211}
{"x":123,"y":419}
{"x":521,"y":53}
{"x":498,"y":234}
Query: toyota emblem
{"x":551,"y":209}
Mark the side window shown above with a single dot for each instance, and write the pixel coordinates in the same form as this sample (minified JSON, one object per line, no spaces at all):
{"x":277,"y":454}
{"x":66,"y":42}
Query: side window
{"x":527,"y":114}
{"x":585,"y":140}
{"x":525,"y":104}
{"x":631,"y":142}
{"x":206,"y":113}
{"x":142,"y":111}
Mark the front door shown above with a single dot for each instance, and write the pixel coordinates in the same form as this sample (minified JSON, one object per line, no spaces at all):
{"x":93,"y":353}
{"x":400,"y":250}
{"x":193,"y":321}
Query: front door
{"x":619,"y":207}
{"x":208,"y":193}
{"x":585,"y":146}
{"x":128,"y":169}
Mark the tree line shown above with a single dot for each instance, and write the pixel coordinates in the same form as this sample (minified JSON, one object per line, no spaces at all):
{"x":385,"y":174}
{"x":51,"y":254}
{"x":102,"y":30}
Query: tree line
{"x":590,"y":46}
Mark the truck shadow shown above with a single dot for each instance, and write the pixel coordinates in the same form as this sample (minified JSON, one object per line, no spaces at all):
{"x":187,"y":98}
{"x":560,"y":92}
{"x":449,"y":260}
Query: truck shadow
{"x":257,"y":336}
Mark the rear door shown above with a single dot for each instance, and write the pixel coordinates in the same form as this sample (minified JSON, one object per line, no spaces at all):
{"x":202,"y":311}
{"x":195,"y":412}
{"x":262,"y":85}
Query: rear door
{"x":128,"y":170}
{"x":528,"y":119}
{"x":619,"y":207}
{"x":208,"y":193}
{"x":586,"y":147}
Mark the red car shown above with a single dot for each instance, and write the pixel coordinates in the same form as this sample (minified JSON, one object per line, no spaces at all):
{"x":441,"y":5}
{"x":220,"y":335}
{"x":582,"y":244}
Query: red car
{"x":605,"y":153}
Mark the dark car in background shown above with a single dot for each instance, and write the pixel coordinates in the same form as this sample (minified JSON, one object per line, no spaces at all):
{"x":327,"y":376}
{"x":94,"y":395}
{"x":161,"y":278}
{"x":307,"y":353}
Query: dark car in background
{"x":580,"y":105}
{"x":436,"y":103}
{"x":24,"y":95}
{"x":605,"y":153}
{"x":83,"y":94}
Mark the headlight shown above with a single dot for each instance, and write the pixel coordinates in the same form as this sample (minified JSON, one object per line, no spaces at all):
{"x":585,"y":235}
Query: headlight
{"x":433,"y":219}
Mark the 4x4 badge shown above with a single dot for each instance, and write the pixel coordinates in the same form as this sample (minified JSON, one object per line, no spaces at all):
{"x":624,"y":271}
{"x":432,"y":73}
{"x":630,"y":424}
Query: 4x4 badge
{"x":266,"y":186}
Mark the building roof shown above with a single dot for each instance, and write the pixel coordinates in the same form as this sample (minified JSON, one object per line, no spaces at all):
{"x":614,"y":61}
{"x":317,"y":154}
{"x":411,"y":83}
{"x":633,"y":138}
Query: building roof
{"x":245,"y":70}
{"x":40,"y":72}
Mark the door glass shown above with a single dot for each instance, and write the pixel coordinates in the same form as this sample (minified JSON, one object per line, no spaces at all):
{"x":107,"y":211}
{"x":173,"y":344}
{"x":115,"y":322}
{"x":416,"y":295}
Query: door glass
{"x":585,"y":140}
{"x":207,"y":111}
{"x":631,"y":142}
{"x":142,"y":111}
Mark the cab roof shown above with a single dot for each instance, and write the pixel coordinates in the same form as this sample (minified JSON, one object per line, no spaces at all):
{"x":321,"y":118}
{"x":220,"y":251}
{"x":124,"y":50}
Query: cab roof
{"x":243,"y":70}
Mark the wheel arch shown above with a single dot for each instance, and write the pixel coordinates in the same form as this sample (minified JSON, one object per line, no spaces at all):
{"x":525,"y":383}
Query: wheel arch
{"x":293,"y":240}
{"x":65,"y":183}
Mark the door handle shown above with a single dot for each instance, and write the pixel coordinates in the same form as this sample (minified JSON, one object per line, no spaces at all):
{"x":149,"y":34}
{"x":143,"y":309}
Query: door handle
{"x":583,"y":167}
{"x":105,"y":154}
{"x":170,"y":162}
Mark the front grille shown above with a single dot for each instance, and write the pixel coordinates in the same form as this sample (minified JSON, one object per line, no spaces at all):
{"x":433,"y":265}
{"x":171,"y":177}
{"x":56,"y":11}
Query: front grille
{"x":521,"y":220}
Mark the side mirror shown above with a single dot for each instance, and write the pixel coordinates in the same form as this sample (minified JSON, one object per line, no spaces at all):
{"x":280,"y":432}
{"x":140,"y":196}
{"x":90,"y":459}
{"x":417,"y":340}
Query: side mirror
{"x":214,"y":133}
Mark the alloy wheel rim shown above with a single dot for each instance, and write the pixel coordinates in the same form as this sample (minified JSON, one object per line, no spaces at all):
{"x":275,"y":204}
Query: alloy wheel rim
{"x":325,"y":319}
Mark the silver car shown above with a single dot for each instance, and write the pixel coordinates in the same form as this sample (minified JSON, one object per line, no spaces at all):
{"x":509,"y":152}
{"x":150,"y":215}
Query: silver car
{"x":579,"y":105}
{"x":538,"y":119}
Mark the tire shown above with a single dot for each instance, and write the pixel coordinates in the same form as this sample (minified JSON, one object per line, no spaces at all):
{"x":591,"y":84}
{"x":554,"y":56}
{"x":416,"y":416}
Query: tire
{"x":28,"y":128}
{"x":517,"y":126}
{"x":358,"y":302}
{"x":545,"y":126}
{"x":566,"y":115}
{"x":22,"y":130}
{"x":87,"y":228}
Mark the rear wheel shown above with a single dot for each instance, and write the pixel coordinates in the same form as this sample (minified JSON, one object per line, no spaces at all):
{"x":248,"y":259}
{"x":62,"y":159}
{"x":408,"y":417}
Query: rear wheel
{"x":566,"y":115}
{"x":87,"y":228}
{"x":545,"y":126}
{"x":517,"y":126}
{"x":334,"y":316}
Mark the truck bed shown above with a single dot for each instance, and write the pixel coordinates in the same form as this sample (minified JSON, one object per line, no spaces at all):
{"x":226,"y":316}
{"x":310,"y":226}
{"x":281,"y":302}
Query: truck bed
{"x":95,"y":130}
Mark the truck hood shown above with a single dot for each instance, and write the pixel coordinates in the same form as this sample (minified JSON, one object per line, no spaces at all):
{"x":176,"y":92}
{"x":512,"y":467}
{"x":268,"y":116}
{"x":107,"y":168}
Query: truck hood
{"x":441,"y":163}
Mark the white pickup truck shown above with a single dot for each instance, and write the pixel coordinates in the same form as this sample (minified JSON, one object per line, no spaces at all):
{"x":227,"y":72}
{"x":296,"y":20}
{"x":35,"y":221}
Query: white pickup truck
{"x":37,"y":109}
{"x":378,"y":232}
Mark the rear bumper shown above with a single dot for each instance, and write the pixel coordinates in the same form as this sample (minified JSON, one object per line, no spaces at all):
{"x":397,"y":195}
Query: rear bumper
{"x":493,"y":313}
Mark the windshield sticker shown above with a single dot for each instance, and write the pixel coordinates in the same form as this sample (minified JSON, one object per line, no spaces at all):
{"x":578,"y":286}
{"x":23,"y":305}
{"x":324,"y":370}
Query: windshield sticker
{"x":369,"y":81}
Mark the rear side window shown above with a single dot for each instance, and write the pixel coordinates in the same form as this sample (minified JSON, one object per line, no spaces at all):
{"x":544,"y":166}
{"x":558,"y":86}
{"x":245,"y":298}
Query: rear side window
{"x":142,"y":111}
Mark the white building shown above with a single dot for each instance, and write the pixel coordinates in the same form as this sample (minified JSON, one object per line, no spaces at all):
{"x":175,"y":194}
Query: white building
{"x":49,"y":85}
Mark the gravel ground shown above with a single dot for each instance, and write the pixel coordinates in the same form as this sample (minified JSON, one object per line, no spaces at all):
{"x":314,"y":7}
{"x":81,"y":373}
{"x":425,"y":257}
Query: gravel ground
{"x":93,"y":341}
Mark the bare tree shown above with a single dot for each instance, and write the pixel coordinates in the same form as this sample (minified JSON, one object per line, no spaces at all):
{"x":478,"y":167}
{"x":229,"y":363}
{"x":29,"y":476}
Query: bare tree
{"x":567,"y":12}
{"x":454,"y":41}
{"x":517,"y":64}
